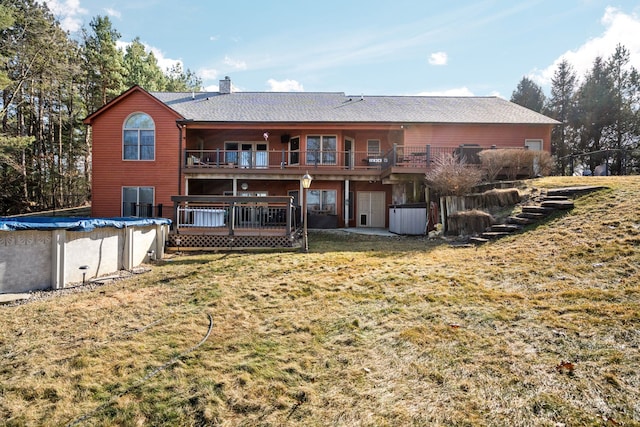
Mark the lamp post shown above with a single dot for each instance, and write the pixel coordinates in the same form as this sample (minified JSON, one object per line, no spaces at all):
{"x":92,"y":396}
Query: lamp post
{"x":306,"y":183}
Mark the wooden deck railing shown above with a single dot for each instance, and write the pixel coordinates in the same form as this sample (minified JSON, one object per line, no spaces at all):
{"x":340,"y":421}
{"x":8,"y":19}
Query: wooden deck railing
{"x":229,"y":214}
{"x":399,"y":156}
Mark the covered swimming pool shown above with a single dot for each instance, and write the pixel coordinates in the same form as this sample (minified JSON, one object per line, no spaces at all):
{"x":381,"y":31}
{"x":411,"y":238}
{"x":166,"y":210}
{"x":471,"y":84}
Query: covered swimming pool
{"x":38,"y":253}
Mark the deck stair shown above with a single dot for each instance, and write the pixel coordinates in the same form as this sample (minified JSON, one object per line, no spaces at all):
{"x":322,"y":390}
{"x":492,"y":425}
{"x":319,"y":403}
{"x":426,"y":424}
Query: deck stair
{"x":537,"y":209}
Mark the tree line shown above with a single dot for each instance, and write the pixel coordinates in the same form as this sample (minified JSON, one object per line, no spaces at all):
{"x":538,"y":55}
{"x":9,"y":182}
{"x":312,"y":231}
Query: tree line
{"x":599,"y":114}
{"x":49,"y":82}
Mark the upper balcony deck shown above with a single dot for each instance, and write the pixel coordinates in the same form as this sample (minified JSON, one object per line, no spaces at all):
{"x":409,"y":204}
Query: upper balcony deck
{"x":411,"y":159}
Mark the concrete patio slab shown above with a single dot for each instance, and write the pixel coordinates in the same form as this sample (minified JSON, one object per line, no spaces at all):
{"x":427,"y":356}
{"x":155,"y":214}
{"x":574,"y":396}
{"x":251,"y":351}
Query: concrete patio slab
{"x":9,"y":298}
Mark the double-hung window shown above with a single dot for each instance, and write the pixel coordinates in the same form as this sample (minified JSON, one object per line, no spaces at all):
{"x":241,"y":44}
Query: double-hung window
{"x":322,"y":149}
{"x":373,"y":147}
{"x":138,"y":138}
{"x":137,"y":201}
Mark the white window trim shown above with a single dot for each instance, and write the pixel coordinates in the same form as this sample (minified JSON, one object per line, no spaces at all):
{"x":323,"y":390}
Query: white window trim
{"x":137,"y":187}
{"x":536,"y":140}
{"x":155,"y":142}
{"x":294,"y":151}
{"x":322,"y":150}
{"x":321,"y":207}
{"x":254,"y":151}
{"x":371,"y":153}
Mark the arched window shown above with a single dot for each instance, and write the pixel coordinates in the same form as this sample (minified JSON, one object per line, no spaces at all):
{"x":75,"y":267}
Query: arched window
{"x":138,"y":138}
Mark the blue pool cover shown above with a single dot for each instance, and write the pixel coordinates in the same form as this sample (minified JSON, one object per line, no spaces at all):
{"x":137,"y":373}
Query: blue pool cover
{"x":75,"y":224}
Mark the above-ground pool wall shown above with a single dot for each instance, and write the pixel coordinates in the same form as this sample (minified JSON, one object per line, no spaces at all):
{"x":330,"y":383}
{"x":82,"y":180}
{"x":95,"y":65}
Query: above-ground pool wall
{"x":101,"y":250}
{"x":25,"y":260}
{"x":51,"y":259}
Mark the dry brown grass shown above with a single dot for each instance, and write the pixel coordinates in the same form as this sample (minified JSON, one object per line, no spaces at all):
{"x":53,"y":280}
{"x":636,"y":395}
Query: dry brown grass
{"x":542,"y":328}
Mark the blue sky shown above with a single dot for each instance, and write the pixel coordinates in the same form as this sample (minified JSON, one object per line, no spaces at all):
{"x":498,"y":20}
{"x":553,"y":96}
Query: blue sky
{"x":373,"y":47}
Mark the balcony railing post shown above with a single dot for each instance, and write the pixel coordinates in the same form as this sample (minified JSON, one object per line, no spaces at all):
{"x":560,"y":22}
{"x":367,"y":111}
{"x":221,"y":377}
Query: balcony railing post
{"x":232,"y":218}
{"x":288,"y":216}
{"x":394,"y":154}
{"x":176,"y":214}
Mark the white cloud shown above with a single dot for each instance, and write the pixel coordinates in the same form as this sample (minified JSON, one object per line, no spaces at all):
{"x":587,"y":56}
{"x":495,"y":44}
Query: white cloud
{"x":122,"y":45}
{"x":238,"y":65}
{"x":214,"y":38}
{"x":620,"y":28}
{"x":438,"y":58}
{"x":285,"y":86}
{"x":164,"y":62}
{"x":459,"y":91}
{"x":113,"y":12}
{"x":208,"y":74}
{"x":68,"y":12}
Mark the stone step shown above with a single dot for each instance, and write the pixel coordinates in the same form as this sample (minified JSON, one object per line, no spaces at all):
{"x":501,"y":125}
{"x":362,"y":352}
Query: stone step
{"x":477,"y":240}
{"x":574,"y":191}
{"x":495,"y":234}
{"x":555,"y":198}
{"x":537,"y":209}
{"x":532,"y":215}
{"x":558,"y":204}
{"x":520,"y":220}
{"x":509,"y":228}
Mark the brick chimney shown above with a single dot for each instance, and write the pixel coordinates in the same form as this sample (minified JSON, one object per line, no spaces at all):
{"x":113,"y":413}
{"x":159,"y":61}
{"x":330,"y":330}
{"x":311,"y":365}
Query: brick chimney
{"x":225,"y":86}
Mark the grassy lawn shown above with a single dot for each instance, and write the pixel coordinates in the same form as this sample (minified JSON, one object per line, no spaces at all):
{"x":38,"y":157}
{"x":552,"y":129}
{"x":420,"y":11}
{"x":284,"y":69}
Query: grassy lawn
{"x":540,"y":328}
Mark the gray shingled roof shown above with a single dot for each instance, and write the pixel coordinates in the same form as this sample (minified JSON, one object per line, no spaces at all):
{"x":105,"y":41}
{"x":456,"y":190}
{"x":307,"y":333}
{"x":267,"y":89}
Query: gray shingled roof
{"x":336,"y":107}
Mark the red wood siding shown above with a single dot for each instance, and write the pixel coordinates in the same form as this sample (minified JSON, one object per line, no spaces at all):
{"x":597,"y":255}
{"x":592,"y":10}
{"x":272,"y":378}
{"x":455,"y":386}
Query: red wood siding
{"x":501,"y":136}
{"x":111,"y":173}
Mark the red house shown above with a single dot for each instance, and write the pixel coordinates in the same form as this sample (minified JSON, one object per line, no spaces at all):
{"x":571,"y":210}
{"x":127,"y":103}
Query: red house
{"x":216,"y":161}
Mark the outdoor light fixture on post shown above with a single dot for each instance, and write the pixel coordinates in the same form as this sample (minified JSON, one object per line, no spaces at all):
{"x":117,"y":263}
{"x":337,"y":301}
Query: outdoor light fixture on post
{"x":306,"y":183}
{"x":84,"y":269}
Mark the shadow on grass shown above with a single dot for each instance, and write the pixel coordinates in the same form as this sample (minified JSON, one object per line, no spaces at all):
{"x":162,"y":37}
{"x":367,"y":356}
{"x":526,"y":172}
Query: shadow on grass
{"x":320,"y":242}
{"x":334,"y":241}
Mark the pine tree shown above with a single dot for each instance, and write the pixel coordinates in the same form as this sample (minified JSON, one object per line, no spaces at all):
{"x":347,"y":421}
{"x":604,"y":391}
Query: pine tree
{"x":102,"y":62}
{"x":178,"y":80}
{"x":624,"y":82}
{"x":595,"y":102}
{"x":142,"y":68}
{"x":40,"y":111}
{"x":561,"y":106}
{"x":529,"y":95}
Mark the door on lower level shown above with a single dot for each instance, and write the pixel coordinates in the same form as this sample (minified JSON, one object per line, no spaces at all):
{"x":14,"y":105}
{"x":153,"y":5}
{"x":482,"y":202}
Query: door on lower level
{"x":371,"y":209}
{"x":534,"y":145}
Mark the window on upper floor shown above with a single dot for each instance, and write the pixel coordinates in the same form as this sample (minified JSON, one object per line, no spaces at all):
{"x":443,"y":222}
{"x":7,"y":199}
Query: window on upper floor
{"x":294,"y":150}
{"x":373,"y":147}
{"x":138,"y":138}
{"x":321,"y":149}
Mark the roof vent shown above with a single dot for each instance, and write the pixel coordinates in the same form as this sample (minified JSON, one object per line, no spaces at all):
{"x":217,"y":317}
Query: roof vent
{"x":225,"y":86}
